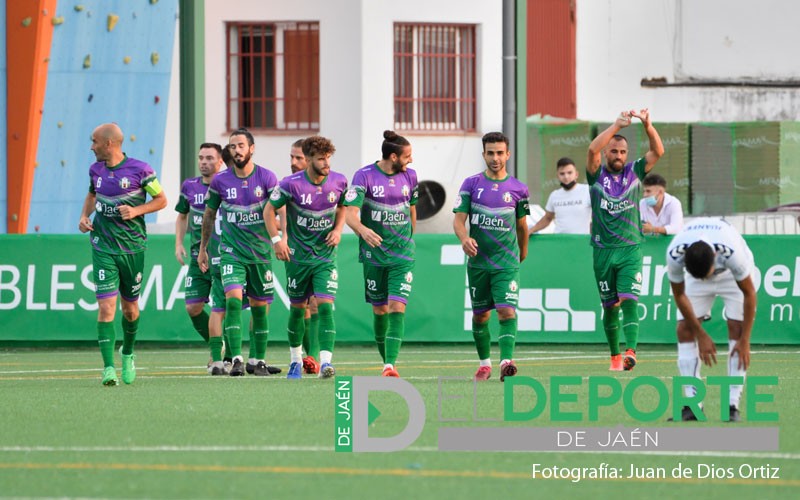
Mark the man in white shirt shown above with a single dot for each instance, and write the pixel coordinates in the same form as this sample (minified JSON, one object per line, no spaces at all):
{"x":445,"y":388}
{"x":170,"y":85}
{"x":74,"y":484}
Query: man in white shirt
{"x":661,"y":212}
{"x":569,"y":205}
{"x":718,"y":263}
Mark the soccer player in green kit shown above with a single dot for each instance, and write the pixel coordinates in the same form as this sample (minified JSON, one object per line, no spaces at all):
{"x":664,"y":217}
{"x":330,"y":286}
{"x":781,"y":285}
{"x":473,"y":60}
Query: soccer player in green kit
{"x":385,"y":193}
{"x":615,"y":192}
{"x":314,"y":221}
{"x":117,"y":196}
{"x":245,"y":253}
{"x":496,"y":206}
{"x":190,"y":207}
{"x":311,"y":321}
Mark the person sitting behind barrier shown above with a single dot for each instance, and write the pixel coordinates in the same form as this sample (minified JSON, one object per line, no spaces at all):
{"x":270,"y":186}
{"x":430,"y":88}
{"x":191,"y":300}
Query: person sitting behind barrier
{"x":661,"y":212}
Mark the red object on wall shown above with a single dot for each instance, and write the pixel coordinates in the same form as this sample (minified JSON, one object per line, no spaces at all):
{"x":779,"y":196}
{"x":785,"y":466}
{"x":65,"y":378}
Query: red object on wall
{"x":29,"y":32}
{"x":551,"y":58}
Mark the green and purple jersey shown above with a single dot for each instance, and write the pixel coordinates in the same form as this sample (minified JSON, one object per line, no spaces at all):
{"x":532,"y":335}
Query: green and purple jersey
{"x":616,"y":221}
{"x":385,"y":202}
{"x":241,"y":201}
{"x":125,"y":184}
{"x":310,"y":214}
{"x":192,"y":201}
{"x":493,"y":208}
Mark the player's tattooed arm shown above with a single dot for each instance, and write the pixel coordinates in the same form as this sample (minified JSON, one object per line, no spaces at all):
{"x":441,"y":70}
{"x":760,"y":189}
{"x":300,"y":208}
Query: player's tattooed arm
{"x":209,"y":216}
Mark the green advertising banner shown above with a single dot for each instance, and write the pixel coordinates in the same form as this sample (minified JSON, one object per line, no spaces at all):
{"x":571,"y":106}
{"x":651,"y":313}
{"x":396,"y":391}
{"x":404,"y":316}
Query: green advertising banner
{"x":46,"y":293}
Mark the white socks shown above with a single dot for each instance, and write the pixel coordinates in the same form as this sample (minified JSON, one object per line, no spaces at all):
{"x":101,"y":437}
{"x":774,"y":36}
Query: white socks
{"x":296,"y":354}
{"x":735,"y":371}
{"x":689,"y":364}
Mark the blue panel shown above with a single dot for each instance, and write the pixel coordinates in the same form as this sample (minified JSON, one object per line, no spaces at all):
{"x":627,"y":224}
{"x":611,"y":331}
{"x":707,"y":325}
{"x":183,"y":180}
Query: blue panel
{"x":78,"y":99}
{"x":3,"y":120}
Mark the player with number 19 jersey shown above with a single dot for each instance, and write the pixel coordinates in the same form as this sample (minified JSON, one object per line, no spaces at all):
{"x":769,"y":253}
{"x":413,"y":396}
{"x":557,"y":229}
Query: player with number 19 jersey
{"x":241,"y":202}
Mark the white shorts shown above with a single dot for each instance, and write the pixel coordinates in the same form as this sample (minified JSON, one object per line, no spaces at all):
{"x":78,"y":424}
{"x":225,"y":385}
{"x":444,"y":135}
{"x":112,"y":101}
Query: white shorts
{"x":702,"y":293}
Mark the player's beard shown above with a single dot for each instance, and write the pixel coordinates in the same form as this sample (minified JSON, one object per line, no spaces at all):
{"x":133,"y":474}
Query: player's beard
{"x":616,"y":165}
{"x":317,"y":172}
{"x":397,"y":167}
{"x":245,"y":161}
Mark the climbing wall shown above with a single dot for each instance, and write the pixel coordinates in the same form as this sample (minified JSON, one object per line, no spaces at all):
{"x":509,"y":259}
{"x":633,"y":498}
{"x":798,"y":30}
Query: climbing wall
{"x":110,"y":61}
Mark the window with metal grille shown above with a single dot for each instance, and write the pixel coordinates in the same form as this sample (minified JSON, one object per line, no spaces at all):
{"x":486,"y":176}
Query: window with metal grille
{"x":273,"y":76}
{"x":434,"y":77}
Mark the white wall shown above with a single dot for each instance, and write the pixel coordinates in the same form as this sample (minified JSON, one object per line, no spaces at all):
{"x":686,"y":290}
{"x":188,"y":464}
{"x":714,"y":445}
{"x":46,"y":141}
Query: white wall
{"x":447,"y":159}
{"x":340,"y":94}
{"x":620,"y":42}
{"x":356,"y":82}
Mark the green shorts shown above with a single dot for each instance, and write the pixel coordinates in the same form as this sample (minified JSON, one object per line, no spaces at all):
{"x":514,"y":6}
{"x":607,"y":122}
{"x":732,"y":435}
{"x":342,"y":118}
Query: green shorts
{"x":618,"y":272}
{"x":304,"y":280}
{"x":382,"y":284}
{"x":493,"y":288}
{"x":254,"y":278}
{"x":121,"y":273}
{"x":217,"y":297}
{"x":197,"y":284}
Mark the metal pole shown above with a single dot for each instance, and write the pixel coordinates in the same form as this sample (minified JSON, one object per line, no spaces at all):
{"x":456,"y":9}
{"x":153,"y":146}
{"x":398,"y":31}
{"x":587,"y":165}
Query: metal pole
{"x":509,"y":80}
{"x":192,"y":89}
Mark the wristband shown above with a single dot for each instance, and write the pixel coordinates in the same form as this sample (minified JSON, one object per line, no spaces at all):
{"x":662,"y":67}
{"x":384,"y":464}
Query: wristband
{"x":276,"y":239}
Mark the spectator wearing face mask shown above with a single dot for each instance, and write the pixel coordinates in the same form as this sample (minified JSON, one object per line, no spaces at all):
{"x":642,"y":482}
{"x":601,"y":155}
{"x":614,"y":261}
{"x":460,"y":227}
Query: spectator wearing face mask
{"x":661,"y":212}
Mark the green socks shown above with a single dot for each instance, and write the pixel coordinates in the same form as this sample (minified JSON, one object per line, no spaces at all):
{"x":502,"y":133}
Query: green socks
{"x":129,"y":329}
{"x":630,"y":323}
{"x":313,"y":336}
{"x":106,"y":338}
{"x":260,"y":330}
{"x":232,"y":326}
{"x":296,"y":327}
{"x":327,"y":327}
{"x":394,"y":336}
{"x":306,"y":336}
{"x":200,"y":323}
{"x":611,"y":327}
{"x":507,"y":338}
{"x":215,"y":344}
{"x":483,"y":340}
{"x":379,"y":324}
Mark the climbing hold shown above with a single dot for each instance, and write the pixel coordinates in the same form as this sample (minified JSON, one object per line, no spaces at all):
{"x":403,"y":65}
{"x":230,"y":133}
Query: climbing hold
{"x":57,"y":20}
{"x":133,"y":138}
{"x":153,"y":2}
{"x":111,"y":21}
{"x":60,"y":124}
{"x":63,"y":163}
{"x":126,"y":59}
{"x":78,"y":8}
{"x":154,"y":58}
{"x":91,"y":96}
{"x":27,"y":21}
{"x":152,"y":150}
{"x":157,"y":99}
{"x":87,"y":61}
